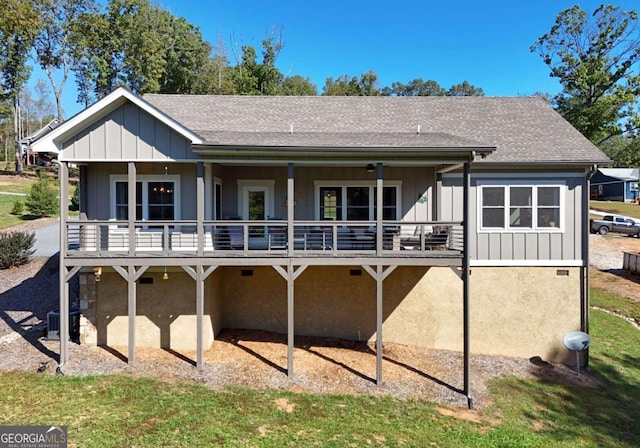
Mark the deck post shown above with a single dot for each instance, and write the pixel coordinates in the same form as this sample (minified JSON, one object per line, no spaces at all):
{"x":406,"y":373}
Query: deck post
{"x":465,"y":284}
{"x":131,"y":306}
{"x":379,"y":207}
{"x":131,"y":206}
{"x":200,"y":207}
{"x":290,"y":208}
{"x":199,"y":316}
{"x":63,"y":177}
{"x":379,"y":281}
{"x":290,"y":317}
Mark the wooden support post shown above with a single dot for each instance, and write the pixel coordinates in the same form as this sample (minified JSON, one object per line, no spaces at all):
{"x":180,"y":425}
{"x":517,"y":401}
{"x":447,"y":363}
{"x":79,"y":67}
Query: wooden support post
{"x":131,"y":275}
{"x":379,"y":280}
{"x":131,"y":306}
{"x":131,"y":206}
{"x":379,"y":275}
{"x":200,"y":207}
{"x":291,"y":200}
{"x":290,"y":275}
{"x":199,"y":274}
{"x":199,"y":317}
{"x":379,"y":208}
{"x":63,"y":177}
{"x":290,"y":323}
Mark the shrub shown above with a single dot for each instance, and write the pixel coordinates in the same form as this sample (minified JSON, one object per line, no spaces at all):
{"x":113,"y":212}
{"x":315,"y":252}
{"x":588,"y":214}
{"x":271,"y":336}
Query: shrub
{"x":16,"y":248}
{"x":75,"y":199}
{"x":18,"y":208}
{"x":42,"y":199}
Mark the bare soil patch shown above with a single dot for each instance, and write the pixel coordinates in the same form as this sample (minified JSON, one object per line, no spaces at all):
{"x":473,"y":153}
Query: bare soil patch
{"x":616,"y":280}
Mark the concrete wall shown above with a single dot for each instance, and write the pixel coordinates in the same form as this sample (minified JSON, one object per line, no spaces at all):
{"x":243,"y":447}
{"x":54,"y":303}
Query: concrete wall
{"x":526,"y":315}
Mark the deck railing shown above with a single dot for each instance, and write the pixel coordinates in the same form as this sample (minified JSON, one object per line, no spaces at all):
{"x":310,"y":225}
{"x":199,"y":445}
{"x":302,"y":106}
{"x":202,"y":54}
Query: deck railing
{"x":231,"y":238}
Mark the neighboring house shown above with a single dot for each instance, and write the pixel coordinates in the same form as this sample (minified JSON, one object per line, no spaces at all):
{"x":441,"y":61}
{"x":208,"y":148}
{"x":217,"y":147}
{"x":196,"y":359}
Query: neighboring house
{"x":615,"y":184}
{"x":457,"y":223}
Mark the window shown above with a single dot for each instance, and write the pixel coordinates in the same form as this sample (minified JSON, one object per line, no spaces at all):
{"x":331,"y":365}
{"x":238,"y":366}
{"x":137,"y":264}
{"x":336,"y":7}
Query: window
{"x":156,"y":198}
{"x":520,"y":207}
{"x":356,"y":202}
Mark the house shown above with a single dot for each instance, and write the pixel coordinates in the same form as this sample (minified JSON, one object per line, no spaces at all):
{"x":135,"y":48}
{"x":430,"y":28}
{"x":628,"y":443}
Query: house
{"x":615,"y":184}
{"x":454,"y":223}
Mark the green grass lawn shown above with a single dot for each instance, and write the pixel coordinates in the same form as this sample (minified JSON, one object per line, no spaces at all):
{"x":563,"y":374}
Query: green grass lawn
{"x":117,"y":410}
{"x":20,"y":184}
{"x":617,"y":208}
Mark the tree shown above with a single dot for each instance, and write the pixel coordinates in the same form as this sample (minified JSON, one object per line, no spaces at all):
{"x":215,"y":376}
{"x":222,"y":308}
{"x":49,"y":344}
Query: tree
{"x":42,"y":199}
{"x":345,"y":85}
{"x":416,"y":87}
{"x":297,"y":86}
{"x":52,"y":44}
{"x":465,"y":89}
{"x":139,"y":45}
{"x":259,"y":78}
{"x":19,"y":23}
{"x":624,"y":151}
{"x":595,"y":59}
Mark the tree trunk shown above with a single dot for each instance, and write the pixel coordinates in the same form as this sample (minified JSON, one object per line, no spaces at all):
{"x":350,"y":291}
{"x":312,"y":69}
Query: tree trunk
{"x":16,"y":128}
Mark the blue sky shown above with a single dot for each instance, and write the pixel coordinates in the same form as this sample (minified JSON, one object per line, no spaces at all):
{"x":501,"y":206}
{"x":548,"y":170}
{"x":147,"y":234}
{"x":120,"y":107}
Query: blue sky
{"x":484,"y":42}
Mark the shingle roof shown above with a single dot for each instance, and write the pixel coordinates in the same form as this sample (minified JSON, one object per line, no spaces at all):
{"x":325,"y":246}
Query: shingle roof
{"x":522,"y":129}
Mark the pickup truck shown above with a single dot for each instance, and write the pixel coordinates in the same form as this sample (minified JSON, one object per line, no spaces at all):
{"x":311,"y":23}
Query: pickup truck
{"x":616,"y":224}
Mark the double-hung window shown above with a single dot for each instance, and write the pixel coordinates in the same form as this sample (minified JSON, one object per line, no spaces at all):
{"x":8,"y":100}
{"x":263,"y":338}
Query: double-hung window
{"x":156,"y":198}
{"x":520,"y":207}
{"x":338,"y":201}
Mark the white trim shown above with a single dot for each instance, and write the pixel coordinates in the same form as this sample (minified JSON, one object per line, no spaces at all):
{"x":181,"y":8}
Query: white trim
{"x":515,"y":174}
{"x":165,"y":160}
{"x":317,"y":184}
{"x":216,"y":181}
{"x":526,"y":263}
{"x":208,"y":191}
{"x":534,"y":207}
{"x":51,"y":141}
{"x":145,"y":178}
{"x":244,"y":185}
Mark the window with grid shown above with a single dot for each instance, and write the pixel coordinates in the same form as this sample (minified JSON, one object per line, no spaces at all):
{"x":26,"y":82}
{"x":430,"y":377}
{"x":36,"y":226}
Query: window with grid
{"x":520,"y":207}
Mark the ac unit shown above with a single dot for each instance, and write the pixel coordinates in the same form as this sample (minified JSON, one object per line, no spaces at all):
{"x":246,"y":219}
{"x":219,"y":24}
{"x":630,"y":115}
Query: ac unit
{"x":53,"y":325}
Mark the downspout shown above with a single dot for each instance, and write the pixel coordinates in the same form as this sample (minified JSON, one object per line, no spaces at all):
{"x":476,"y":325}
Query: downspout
{"x":586,"y":197}
{"x":465,"y":281}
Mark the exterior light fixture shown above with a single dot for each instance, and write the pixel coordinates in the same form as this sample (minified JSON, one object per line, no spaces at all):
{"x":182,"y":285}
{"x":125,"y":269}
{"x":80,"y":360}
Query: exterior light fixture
{"x":165,"y":275}
{"x":97,"y":272}
{"x":370,"y":168}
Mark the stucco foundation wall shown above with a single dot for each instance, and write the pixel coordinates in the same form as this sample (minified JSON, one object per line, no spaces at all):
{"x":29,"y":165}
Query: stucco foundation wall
{"x":524,"y":311}
{"x":165,"y":317}
{"x":517,"y":311}
{"x":213,"y":301}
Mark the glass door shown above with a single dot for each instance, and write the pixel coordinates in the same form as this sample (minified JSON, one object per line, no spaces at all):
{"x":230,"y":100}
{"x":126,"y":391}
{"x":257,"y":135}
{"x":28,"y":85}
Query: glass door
{"x":256,"y":210}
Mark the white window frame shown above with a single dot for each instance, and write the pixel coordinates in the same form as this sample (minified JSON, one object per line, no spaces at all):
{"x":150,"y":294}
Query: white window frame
{"x":217,"y":183}
{"x":343,"y":184}
{"x":244,"y":185}
{"x":145,"y":179}
{"x":534,"y":208}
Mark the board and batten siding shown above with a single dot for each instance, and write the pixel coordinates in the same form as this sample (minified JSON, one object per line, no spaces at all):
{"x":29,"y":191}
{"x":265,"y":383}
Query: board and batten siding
{"x":519,"y":246}
{"x":127,"y":133}
{"x":99,"y":178}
